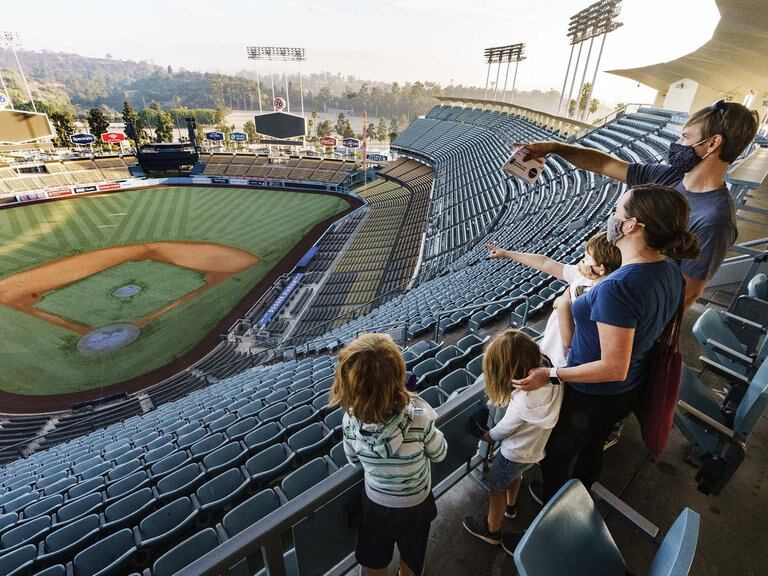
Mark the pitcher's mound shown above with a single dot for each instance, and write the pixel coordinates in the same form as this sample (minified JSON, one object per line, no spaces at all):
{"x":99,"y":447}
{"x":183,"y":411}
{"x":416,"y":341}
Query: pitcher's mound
{"x":107,"y":339}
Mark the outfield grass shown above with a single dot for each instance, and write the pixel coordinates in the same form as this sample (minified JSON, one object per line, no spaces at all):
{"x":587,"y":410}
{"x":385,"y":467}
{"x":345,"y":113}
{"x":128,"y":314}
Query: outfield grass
{"x":90,"y":301}
{"x":38,"y":358}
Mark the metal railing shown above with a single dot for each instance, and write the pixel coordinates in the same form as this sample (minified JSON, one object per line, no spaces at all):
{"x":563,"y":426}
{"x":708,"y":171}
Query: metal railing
{"x":264,"y":536}
{"x":610,"y":117}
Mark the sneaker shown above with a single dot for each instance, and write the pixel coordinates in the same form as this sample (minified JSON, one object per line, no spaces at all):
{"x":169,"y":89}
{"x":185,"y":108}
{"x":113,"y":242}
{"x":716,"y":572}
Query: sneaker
{"x":536,"y":491}
{"x":478,"y":526}
{"x":510,"y":540}
{"x":510,"y":512}
{"x":613,"y":439}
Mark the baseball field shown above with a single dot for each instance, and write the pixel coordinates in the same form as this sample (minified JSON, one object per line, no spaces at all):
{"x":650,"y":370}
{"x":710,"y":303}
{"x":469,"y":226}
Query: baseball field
{"x":171,"y":262}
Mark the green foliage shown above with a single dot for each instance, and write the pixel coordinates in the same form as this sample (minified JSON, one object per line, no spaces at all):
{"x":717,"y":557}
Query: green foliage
{"x":324,"y":128}
{"x":585,"y":90}
{"x":250,"y":129}
{"x":381,"y":129}
{"x":394,"y":129}
{"x":97,"y":122}
{"x":64,"y":124}
{"x":164,"y":127}
{"x":341,"y":123}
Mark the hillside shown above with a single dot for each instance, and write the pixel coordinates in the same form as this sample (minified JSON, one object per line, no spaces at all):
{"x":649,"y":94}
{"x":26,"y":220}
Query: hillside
{"x":70,"y":81}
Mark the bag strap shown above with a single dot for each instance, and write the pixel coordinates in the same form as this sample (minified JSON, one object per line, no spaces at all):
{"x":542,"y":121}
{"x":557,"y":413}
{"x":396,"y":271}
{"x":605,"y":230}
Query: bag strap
{"x":673,"y":330}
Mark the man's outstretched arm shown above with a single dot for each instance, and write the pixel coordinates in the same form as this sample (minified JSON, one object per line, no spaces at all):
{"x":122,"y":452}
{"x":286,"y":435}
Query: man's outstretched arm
{"x":584,"y":158}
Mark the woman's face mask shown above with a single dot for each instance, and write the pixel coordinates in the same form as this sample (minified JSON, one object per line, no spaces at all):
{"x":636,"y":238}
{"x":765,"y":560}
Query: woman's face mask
{"x":683,"y":156}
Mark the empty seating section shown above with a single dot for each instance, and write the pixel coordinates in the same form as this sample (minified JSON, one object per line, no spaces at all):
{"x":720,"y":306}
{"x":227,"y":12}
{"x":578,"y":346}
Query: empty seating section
{"x":383,"y":252}
{"x":454,"y":271}
{"x":261,"y":166}
{"x":56,"y":173}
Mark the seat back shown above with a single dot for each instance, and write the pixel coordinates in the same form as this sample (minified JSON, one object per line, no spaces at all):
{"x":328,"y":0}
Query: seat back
{"x":570,"y":537}
{"x":166,"y":518}
{"x":71,"y":533}
{"x":250,"y":511}
{"x":676,"y":552}
{"x":710,"y":326}
{"x":13,"y":561}
{"x":304,"y":478}
{"x":758,"y":287}
{"x":104,"y":553}
{"x":184,"y":554}
{"x":753,"y":404}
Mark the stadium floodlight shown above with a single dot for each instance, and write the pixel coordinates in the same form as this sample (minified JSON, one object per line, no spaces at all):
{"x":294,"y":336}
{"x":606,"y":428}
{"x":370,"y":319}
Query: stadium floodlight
{"x":595,"y":20}
{"x":12,"y":40}
{"x":279,"y":54}
{"x":497,"y":55}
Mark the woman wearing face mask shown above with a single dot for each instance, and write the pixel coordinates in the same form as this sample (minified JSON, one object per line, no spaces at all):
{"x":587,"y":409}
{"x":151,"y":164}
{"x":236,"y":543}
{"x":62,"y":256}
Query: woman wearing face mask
{"x":616,"y":324}
{"x":711,"y":140}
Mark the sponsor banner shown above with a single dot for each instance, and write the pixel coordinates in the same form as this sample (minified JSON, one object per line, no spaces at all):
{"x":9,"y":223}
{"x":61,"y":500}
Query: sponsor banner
{"x":239,"y":136}
{"x":116,"y":127}
{"x":8,"y":200}
{"x":279,"y":103}
{"x":109,"y":186}
{"x":328,"y":141}
{"x":214,"y":136}
{"x":257,"y":182}
{"x":112,"y":137}
{"x":201,"y":180}
{"x":84,"y":189}
{"x":30,"y":196}
{"x":376,"y":157}
{"x":219,"y":180}
{"x":351,"y":142}
{"x":239,"y":181}
{"x":82,"y":138}
{"x":58,"y":192}
{"x":281,"y":299}
{"x":307,"y":257}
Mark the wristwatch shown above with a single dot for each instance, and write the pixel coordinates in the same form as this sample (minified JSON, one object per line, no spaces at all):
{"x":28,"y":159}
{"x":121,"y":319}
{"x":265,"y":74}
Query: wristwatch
{"x":553,"y":377}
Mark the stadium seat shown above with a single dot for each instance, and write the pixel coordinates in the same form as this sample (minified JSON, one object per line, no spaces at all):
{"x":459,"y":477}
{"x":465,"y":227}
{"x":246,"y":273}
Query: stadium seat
{"x":297,"y":419}
{"x":117,"y":490}
{"x":45,"y":505}
{"x":128,"y":509}
{"x":224,"y":457}
{"x":584,"y":545}
{"x":79,"y":507}
{"x":185,"y":553}
{"x":86,"y":487}
{"x":309,"y":441}
{"x":169,"y":464}
{"x":182,"y":481}
{"x":337,"y":455}
{"x":263,"y":437}
{"x":249,"y":512}
{"x":25,"y":533}
{"x":242,"y":428}
{"x":269,"y":464}
{"x":18,"y":561}
{"x":432,"y":396}
{"x":475,"y":367}
{"x":304,"y":477}
{"x":218,"y":492}
{"x":455,"y":381}
{"x":758,"y":287}
{"x":203,"y":447}
{"x":720,"y":444}
{"x":159,"y":453}
{"x":167,"y":523}
{"x":61,"y":544}
{"x":109,"y":555}
{"x":56,"y":570}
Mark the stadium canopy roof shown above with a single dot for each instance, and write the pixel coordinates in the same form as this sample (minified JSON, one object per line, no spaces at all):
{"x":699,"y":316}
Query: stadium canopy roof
{"x":734,"y":60}
{"x":19,"y":127}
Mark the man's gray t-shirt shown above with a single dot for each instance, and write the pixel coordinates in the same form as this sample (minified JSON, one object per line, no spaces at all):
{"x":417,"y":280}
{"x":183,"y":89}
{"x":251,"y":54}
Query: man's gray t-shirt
{"x":713,"y":216}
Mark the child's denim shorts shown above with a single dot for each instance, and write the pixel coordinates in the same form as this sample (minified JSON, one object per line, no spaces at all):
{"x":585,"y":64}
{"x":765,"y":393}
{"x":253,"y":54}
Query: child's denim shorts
{"x":504,"y":472}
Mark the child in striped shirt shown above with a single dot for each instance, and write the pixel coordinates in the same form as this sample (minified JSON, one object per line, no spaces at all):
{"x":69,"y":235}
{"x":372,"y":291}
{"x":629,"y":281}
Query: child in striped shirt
{"x":393,"y":436}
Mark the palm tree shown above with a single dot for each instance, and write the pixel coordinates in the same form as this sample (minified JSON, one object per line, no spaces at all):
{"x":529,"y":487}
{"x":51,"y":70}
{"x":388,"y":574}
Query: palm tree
{"x":594,"y":104}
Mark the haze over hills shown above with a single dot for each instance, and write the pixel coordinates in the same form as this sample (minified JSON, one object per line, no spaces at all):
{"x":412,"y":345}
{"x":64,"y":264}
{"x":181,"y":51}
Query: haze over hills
{"x":62,"y":81}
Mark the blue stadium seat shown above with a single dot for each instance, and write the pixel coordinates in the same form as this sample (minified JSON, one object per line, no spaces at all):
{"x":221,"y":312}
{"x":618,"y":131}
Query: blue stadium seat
{"x":167,"y":523}
{"x":18,"y":561}
{"x":109,"y":555}
{"x":228,"y":455}
{"x":79,"y":507}
{"x":250,"y":512}
{"x":63,"y":543}
{"x":571,"y":524}
{"x":26,"y":533}
{"x":182,"y":481}
{"x":263,"y":437}
{"x":304,"y":477}
{"x":218,"y":492}
{"x":185,"y":553}
{"x":128,"y":509}
{"x":269,"y":464}
{"x":310,"y":441}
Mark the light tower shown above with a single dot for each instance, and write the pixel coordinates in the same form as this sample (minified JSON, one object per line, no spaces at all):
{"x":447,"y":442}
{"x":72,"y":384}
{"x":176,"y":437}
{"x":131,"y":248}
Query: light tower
{"x":595,"y":20}
{"x":279,"y":54}
{"x":498,"y":55}
{"x":12,"y":40}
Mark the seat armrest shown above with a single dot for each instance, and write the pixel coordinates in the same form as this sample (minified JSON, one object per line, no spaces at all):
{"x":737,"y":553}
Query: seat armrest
{"x":710,"y":425}
{"x":748,"y":323}
{"x":629,"y":515}
{"x":732,"y":354}
{"x":723,"y":372}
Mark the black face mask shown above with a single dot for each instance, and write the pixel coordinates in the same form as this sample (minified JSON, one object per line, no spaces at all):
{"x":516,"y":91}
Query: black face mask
{"x":683,"y":157}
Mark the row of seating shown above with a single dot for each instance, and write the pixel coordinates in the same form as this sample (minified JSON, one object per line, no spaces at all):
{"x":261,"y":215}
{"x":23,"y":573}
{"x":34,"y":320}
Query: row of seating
{"x":55,"y":173}
{"x":260,"y":166}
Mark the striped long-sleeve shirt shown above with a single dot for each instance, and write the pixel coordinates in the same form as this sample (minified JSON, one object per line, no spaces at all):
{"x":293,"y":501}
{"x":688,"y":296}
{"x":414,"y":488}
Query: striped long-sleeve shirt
{"x":396,"y":455}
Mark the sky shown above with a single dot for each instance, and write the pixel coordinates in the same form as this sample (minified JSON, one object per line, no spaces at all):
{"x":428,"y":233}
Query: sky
{"x":387,"y":40}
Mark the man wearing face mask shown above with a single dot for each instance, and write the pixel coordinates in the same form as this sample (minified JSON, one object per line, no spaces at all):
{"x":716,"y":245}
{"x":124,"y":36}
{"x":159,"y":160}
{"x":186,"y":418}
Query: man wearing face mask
{"x":711,"y":140}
